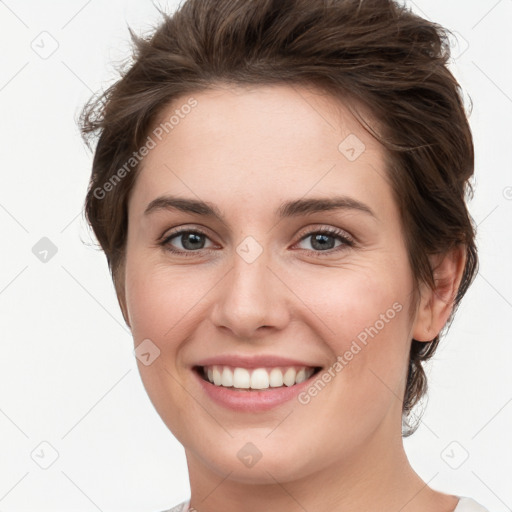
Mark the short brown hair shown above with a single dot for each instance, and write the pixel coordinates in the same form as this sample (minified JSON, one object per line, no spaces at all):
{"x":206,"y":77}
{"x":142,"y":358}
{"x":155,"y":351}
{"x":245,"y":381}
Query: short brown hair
{"x":375,"y":52}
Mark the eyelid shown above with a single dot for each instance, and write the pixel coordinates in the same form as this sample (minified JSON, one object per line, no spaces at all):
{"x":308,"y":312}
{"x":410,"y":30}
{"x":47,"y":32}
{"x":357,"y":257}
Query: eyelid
{"x":322,"y":228}
{"x":168,"y":235}
{"x":308,"y":231}
{"x":347,"y":239}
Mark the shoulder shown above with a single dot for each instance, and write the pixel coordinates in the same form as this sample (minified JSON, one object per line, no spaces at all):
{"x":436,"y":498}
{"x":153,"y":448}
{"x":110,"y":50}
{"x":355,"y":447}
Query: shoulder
{"x":469,"y":505}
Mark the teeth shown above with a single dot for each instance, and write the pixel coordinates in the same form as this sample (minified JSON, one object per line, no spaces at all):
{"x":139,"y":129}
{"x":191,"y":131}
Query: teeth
{"x":217,"y":377}
{"x":259,"y":378}
{"x":289,"y":377}
{"x":276,"y":378}
{"x":301,"y":376}
{"x":241,"y":378}
{"x":227,"y":378}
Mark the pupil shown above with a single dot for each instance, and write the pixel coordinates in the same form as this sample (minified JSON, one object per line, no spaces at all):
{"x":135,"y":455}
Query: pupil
{"x":321,"y":240}
{"x":189,"y":239}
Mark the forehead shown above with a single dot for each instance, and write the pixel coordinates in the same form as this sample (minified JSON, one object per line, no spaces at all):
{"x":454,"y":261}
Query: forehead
{"x":260,"y":143}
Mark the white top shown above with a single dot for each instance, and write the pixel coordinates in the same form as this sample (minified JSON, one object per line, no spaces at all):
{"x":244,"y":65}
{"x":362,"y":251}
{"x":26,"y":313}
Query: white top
{"x":468,"y":505}
{"x":465,"y":504}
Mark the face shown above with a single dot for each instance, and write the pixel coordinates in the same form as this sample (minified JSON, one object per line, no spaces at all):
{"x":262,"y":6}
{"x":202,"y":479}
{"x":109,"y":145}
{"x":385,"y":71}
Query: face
{"x":297,"y":260}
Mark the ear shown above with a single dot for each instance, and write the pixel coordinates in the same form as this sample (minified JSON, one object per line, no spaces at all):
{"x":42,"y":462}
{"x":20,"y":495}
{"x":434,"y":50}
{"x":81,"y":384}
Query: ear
{"x":436,"y":305}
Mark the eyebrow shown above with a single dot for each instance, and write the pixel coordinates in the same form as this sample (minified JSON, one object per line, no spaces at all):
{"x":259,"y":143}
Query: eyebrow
{"x":287,"y":209}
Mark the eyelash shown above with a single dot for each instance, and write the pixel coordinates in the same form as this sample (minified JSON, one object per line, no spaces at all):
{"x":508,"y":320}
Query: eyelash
{"x":341,"y":235}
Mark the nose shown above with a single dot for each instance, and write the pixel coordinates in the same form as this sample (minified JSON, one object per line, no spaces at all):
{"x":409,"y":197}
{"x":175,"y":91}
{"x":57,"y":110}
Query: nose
{"x":251,"y":300}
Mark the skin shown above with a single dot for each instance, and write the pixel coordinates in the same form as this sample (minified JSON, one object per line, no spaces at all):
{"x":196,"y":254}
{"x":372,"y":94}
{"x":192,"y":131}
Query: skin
{"x":246,"y":151}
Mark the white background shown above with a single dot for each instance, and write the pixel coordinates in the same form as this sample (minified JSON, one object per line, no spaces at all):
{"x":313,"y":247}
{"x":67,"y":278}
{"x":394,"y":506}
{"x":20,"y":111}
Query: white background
{"x":67,"y":371}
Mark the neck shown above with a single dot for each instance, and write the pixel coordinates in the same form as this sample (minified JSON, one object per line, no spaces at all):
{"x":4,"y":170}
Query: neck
{"x":377,"y":477}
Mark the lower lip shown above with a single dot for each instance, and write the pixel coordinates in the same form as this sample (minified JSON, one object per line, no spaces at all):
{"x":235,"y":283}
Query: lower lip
{"x":252,"y":401}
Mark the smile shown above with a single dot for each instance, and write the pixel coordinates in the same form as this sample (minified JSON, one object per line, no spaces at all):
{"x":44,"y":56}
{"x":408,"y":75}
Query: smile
{"x":255,"y":378}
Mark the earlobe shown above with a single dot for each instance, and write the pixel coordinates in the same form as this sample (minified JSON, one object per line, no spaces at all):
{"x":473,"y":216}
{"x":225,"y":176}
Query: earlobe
{"x":436,"y":305}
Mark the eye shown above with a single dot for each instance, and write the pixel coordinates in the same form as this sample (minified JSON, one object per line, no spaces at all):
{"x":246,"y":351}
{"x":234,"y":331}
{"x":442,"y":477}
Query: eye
{"x":323,"y":240}
{"x":191,"y":240}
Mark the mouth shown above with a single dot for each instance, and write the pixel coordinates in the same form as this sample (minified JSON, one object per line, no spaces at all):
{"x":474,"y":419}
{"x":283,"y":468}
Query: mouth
{"x":255,"y":379}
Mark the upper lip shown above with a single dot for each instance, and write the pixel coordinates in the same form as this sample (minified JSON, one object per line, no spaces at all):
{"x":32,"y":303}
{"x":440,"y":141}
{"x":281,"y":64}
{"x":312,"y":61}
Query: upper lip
{"x":256,"y":361}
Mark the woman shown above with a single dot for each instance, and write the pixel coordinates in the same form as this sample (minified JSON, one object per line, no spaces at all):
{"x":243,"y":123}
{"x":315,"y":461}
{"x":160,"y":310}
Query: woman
{"x":279,"y":188}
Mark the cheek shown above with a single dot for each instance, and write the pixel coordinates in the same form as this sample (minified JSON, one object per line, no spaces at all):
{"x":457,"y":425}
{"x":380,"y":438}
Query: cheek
{"x":367,"y":315}
{"x":359,"y":302}
{"x":158,"y":299}
{"x":160,"y":307}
